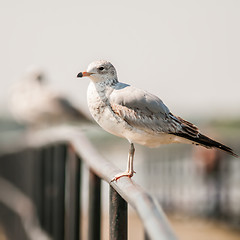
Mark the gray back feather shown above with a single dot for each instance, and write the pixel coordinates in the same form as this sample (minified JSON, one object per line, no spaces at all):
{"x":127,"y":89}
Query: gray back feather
{"x":142,"y":110}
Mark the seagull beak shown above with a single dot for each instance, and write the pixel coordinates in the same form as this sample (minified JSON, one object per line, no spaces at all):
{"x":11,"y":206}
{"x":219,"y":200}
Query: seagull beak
{"x":84,"y":74}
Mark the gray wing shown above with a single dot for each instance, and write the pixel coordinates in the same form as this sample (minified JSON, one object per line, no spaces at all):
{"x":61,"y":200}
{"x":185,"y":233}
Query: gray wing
{"x":145,"y":111}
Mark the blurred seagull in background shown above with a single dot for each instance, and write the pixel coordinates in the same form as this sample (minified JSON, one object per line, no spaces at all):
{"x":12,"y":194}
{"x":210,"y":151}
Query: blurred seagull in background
{"x":35,"y":104}
{"x":137,"y":115}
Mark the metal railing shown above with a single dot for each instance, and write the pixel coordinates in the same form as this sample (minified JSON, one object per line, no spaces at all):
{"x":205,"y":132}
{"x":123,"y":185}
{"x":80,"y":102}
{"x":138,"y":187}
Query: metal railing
{"x":60,"y":214}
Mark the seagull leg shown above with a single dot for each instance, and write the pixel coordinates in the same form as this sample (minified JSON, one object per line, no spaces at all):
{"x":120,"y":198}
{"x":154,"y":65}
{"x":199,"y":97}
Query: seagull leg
{"x":130,"y":160}
{"x":129,"y":172}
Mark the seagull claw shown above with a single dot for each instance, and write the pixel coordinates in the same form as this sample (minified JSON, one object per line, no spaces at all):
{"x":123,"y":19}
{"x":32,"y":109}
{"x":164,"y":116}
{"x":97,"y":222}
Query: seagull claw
{"x":123,"y":174}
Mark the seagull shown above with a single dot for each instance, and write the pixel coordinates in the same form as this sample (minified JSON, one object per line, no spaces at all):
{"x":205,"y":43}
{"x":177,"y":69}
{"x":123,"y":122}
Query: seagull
{"x":137,"y":115}
{"x":35,"y":104}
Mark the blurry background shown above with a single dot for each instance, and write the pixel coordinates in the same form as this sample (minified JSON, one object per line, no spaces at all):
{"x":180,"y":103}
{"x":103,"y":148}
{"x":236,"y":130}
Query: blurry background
{"x":185,"y":52}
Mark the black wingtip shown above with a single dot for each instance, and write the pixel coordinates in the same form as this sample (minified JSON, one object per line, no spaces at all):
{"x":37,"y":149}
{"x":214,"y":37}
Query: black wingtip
{"x":207,"y":142}
{"x":80,"y":75}
{"x":212,"y":143}
{"x":231,"y":152}
{"x":227,"y":150}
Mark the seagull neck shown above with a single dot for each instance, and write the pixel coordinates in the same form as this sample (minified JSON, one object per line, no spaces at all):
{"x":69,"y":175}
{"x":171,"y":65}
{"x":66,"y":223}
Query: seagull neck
{"x":107,"y":83}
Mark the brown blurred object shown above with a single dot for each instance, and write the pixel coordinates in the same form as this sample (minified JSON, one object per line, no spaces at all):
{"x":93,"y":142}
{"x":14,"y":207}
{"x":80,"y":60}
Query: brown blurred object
{"x":207,"y":159}
{"x":215,"y":171}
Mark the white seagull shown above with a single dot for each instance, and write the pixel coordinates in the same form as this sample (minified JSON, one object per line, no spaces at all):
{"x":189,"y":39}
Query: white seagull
{"x":137,"y":115}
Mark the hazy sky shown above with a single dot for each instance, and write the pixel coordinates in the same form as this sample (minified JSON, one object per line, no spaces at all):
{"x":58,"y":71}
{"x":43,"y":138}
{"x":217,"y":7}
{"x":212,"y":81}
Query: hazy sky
{"x":186,"y":52}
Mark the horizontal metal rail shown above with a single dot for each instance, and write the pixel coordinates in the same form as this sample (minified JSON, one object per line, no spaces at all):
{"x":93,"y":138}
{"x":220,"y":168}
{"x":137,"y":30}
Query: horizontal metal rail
{"x":153,"y":218}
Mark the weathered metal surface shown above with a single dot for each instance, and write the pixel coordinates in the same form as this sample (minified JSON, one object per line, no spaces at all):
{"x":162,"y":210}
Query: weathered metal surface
{"x":94,"y":208}
{"x":47,"y":178}
{"x":118,"y":216}
{"x":58,"y":191}
{"x":74,"y":197}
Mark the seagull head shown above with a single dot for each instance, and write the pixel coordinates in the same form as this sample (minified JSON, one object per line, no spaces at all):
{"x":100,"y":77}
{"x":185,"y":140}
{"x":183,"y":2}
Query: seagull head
{"x":100,"y":71}
{"x":35,"y":74}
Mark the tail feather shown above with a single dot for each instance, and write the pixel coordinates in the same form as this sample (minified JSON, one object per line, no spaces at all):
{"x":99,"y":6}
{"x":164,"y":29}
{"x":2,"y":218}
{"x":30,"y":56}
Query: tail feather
{"x":191,"y":132}
{"x":207,"y":142}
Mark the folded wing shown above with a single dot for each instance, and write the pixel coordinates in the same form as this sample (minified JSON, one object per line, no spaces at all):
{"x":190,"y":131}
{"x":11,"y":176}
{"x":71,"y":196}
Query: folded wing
{"x":147,"y":112}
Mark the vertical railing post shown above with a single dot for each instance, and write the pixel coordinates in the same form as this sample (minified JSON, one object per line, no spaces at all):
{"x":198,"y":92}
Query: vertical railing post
{"x":40,"y":188}
{"x":146,"y":237}
{"x":118,"y":216}
{"x":74,"y":200}
{"x":47,"y":177}
{"x":59,"y":163}
{"x":94,"y":215}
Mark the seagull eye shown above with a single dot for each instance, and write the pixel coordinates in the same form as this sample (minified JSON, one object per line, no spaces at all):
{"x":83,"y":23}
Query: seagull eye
{"x":101,"y":68}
